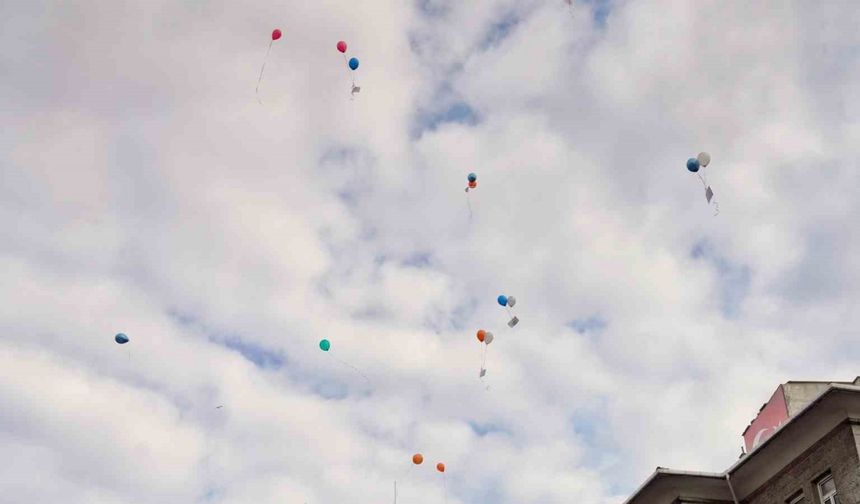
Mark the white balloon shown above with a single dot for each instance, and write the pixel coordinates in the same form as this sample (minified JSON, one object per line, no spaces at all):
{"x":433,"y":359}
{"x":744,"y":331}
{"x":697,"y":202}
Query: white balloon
{"x":704,"y":159}
{"x":512,"y":301}
{"x":488,"y":338}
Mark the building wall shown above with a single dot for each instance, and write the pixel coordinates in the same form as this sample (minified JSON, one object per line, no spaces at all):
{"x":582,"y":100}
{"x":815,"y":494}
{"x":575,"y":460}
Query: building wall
{"x":799,"y":394}
{"x":700,"y":501}
{"x":838,"y":452}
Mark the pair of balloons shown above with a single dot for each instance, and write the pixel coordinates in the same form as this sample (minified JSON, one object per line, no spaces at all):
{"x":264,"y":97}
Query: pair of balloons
{"x":353,"y":62}
{"x":485,"y":337}
{"x":417,"y":459}
{"x":700,"y":161}
{"x":507,"y":300}
{"x":473,"y":180}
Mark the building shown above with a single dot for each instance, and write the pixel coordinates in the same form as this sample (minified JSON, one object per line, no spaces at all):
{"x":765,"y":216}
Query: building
{"x":803,"y":447}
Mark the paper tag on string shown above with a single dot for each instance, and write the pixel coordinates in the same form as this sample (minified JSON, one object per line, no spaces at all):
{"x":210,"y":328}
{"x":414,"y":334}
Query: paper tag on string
{"x":709,"y":194}
{"x":483,"y":372}
{"x":513,"y":322}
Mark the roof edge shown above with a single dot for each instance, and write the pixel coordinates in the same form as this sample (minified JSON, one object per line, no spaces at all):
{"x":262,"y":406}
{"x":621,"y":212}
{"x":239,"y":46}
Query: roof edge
{"x":662,"y":472}
{"x":834,"y":387}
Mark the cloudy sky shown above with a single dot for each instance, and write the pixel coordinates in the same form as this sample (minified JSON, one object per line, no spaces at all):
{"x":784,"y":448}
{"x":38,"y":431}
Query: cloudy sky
{"x":144,"y":190}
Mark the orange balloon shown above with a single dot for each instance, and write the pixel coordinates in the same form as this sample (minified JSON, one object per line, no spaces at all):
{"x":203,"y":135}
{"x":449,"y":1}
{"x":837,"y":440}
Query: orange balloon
{"x":440,"y":467}
{"x":417,"y":459}
{"x":481,"y":334}
{"x":473,"y":185}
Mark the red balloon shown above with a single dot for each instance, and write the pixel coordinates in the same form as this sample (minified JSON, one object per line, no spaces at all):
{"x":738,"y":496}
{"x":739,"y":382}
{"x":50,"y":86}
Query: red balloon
{"x":341,"y":46}
{"x":276,"y":34}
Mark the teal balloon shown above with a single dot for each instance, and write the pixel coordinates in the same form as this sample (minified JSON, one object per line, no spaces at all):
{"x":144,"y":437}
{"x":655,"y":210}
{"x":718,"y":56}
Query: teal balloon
{"x":325,"y":345}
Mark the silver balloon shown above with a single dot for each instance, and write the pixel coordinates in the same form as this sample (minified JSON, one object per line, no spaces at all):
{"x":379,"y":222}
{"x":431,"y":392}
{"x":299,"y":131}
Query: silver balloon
{"x":704,"y":159}
{"x":488,"y":338}
{"x":512,"y":301}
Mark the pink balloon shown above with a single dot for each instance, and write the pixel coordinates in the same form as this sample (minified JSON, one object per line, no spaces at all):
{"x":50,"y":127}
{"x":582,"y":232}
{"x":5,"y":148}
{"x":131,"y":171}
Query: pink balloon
{"x":276,"y":34}
{"x":341,"y":46}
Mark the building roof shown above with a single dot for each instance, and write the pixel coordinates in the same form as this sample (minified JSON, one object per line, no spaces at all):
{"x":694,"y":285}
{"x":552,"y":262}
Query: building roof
{"x":797,"y":393}
{"x":666,"y":485}
{"x":838,"y":403}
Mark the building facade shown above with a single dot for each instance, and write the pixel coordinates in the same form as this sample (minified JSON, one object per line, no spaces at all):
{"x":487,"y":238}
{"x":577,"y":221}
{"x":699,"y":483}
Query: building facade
{"x":803,"y":447}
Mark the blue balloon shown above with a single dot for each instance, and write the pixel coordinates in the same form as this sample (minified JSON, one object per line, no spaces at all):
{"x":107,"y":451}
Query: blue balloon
{"x":503,"y":300}
{"x":353,"y":63}
{"x":121,"y":338}
{"x":693,"y":164}
{"x":472,"y":177}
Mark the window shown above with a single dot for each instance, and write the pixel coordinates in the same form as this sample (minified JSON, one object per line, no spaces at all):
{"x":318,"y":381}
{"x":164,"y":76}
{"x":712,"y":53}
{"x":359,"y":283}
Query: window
{"x":797,"y":498}
{"x":827,"y":490}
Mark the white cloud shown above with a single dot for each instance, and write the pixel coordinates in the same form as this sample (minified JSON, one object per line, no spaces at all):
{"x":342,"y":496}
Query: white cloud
{"x":146,"y":191}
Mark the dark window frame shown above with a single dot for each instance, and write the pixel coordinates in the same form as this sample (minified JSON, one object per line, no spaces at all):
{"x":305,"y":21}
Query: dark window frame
{"x":832,"y":498}
{"x":798,"y":497}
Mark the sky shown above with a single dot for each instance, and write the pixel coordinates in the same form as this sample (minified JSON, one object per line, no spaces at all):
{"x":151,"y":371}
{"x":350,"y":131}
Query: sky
{"x":146,"y":190}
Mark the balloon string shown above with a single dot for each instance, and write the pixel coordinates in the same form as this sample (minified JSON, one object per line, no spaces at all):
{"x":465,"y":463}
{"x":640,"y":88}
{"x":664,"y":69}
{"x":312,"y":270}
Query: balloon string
{"x":260,"y":79}
{"x":483,"y":364}
{"x":348,"y":71}
{"x":445,"y":488}
{"x":400,"y":477}
{"x":469,"y":203}
{"x":353,"y":367}
{"x":483,"y":358}
{"x":705,"y":184}
{"x":406,"y":472}
{"x":346,"y":63}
